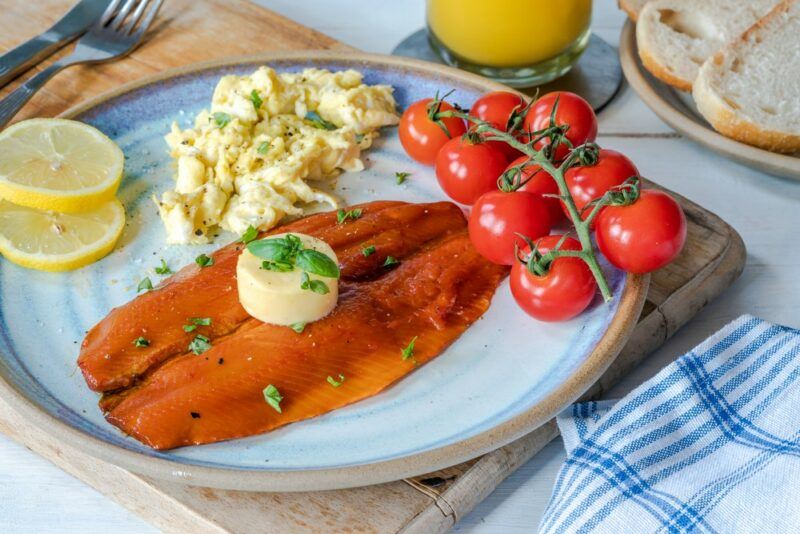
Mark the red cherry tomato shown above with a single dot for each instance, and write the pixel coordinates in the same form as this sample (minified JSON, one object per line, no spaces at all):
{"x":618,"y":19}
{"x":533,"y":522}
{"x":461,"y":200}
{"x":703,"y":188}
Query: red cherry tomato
{"x":572,"y":110}
{"x":590,"y":182}
{"x":466,"y":169}
{"x":643,"y":236}
{"x":541,"y":183}
{"x":496,"y":219}
{"x":496,"y":108}
{"x":421,"y":137}
{"x":563,"y":292}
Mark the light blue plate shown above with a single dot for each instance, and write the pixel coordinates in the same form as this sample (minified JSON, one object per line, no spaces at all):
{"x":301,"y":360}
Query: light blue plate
{"x":505,"y":376}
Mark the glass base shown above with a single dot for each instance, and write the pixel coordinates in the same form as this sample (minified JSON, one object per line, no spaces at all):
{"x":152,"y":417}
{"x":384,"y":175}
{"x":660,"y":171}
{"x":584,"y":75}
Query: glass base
{"x":538,"y":74}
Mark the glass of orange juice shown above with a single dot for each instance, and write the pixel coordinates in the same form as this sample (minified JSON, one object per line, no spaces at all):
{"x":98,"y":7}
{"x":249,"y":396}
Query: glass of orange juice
{"x":517,"y":42}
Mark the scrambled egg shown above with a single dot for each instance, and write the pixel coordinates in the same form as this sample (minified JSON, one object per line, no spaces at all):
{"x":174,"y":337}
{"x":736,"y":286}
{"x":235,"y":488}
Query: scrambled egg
{"x":246,"y":161}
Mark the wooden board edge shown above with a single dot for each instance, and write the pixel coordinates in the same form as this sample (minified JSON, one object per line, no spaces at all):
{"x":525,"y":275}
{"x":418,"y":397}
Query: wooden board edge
{"x":472,"y":487}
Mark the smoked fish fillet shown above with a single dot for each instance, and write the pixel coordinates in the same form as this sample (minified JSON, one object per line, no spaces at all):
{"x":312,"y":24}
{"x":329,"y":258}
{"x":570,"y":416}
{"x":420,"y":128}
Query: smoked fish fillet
{"x":108,"y":358}
{"x":439,"y":288}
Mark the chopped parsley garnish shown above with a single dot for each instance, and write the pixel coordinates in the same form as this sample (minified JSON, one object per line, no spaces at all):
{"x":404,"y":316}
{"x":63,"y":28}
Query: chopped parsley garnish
{"x":144,"y":285}
{"x":400,"y":177}
{"x":318,"y":122}
{"x":204,"y":261}
{"x":342,"y":215}
{"x":255,"y":98}
{"x":194,"y":322}
{"x":263,"y":148}
{"x":221,"y":119}
{"x":368,"y":251}
{"x":141,"y":342}
{"x":273,"y":397}
{"x":298,"y":327}
{"x":317,"y":286}
{"x":249,"y":235}
{"x":163,"y":269}
{"x":200,"y":344}
{"x":335,"y":383}
{"x":408,"y":352}
{"x":390,"y":260}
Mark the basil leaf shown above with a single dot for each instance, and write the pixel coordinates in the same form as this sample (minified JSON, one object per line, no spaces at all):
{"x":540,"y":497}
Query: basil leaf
{"x":249,"y":235}
{"x":221,"y":119}
{"x":400,"y":177}
{"x":273,"y":397}
{"x":316,"y":262}
{"x":277,"y":266}
{"x":390,"y":260}
{"x":368,"y":251}
{"x":342,"y":215}
{"x":317,"y":286}
{"x":318,"y":122}
{"x":278,"y":249}
{"x":141,"y":342}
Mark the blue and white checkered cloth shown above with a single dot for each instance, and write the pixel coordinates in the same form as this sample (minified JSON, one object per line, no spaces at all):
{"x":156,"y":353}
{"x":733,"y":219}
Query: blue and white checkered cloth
{"x":710,"y":444}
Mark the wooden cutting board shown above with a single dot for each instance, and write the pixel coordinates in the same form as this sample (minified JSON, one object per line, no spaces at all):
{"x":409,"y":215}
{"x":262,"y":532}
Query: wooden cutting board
{"x":193,"y":30}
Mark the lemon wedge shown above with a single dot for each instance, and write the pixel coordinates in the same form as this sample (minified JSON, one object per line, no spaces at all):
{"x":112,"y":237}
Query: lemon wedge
{"x":51,"y":241}
{"x":58,"y":164}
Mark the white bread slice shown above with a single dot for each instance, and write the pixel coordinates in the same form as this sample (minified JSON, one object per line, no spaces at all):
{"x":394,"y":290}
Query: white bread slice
{"x":750,"y":90}
{"x":675,"y":37}
{"x":632,"y":7}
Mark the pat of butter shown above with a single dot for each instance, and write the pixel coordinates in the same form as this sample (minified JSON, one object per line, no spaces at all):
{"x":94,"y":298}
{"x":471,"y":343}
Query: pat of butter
{"x":276,"y":297}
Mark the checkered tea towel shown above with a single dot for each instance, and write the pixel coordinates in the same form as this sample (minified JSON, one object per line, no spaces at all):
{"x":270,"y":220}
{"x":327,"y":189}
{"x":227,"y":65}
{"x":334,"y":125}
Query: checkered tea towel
{"x":710,"y":444}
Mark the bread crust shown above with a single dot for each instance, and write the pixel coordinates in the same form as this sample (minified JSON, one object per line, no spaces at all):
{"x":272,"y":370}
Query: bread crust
{"x":653,"y":65}
{"x":629,"y":9}
{"x":720,"y":114}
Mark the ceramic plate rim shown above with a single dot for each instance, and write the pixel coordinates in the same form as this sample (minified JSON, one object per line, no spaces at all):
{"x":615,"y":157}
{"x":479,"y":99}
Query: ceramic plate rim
{"x":631,"y":302}
{"x":640,"y":81}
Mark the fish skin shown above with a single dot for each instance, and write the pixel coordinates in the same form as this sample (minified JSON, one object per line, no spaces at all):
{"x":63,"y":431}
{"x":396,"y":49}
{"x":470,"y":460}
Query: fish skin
{"x":108,"y":359}
{"x":434,"y":294}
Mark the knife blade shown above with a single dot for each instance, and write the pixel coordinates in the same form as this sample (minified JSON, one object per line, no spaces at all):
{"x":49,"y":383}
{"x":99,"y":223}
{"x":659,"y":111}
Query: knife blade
{"x":69,"y":27}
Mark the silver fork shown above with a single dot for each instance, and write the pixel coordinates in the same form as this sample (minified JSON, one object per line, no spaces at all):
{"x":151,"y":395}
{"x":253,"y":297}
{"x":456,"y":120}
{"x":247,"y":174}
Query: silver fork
{"x":114,"y":35}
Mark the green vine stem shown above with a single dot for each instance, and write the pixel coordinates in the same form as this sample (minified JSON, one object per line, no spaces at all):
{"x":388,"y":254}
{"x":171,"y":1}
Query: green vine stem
{"x":539,"y":157}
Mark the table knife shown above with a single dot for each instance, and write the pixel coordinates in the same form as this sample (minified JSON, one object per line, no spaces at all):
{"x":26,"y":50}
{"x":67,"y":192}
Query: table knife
{"x":74,"y":23}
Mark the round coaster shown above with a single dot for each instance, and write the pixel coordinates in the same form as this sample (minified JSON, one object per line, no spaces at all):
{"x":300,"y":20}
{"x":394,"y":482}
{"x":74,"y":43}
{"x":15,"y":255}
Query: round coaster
{"x":597,"y":76}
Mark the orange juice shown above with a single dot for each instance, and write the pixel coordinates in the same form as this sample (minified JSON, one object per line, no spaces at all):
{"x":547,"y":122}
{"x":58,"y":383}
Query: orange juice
{"x":508,"y":33}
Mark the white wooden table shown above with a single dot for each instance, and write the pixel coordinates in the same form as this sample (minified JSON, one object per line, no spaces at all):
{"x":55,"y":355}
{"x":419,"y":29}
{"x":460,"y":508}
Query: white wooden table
{"x":35,"y":496}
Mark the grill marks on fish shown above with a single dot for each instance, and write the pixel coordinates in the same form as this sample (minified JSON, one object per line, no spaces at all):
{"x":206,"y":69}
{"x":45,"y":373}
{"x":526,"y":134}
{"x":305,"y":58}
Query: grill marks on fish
{"x":440,"y":287}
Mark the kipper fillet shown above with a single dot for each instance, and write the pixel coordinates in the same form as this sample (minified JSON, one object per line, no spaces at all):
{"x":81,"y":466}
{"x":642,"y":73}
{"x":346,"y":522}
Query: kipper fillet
{"x":439,"y":288}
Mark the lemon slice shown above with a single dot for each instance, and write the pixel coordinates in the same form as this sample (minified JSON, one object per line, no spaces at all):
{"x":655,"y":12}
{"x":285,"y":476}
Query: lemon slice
{"x":51,"y":241}
{"x":58,"y":164}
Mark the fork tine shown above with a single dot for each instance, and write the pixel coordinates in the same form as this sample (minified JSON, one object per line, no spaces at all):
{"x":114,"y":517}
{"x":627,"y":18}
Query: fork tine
{"x":148,"y":19}
{"x":109,"y":12}
{"x":137,"y":14}
{"x":116,"y":22}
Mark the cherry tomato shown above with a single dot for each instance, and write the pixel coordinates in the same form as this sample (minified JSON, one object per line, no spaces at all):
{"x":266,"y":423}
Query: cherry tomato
{"x":587,"y":183}
{"x":563,"y":292}
{"x":467,"y":169}
{"x":496,"y":108}
{"x":496,"y":219}
{"x":572,"y":110}
{"x":421,"y":137}
{"x":643,"y":236}
{"x":541,"y":183}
